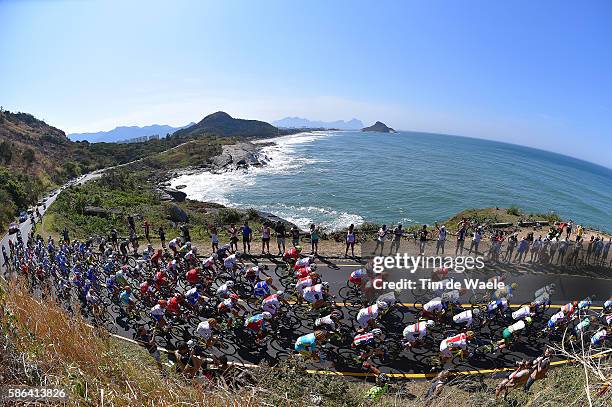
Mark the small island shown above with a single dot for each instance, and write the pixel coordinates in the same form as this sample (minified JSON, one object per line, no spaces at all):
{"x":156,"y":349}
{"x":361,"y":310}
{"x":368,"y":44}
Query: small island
{"x":379,"y":127}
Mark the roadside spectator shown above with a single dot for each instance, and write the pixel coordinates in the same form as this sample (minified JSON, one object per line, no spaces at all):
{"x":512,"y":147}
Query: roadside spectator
{"x":246,"y":237}
{"x":441,"y":239}
{"x":397,"y":238}
{"x":380,"y":239}
{"x":147,"y":231}
{"x":295,"y":236}
{"x":350,"y":240}
{"x":162,"y":236}
{"x":265,"y":238}
{"x":540,"y":368}
{"x":233,"y":235}
{"x":314,"y":239}
{"x":280,"y":231}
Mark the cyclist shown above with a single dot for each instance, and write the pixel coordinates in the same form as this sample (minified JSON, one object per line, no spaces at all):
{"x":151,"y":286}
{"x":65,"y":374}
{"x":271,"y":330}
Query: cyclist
{"x":158,"y":312}
{"x":291,"y":255}
{"x":257,"y":325}
{"x":205,"y":331}
{"x":316,"y":295}
{"x":356,"y":278}
{"x":305,"y":282}
{"x":193,"y":276}
{"x":413,"y":334}
{"x":466,"y":317}
{"x":194,"y":296}
{"x":507,"y":291}
{"x":93,"y":301}
{"x":252,"y":274}
{"x":225,"y":289}
{"x":599,"y":338}
{"x":510,"y":332}
{"x":369,"y":344}
{"x":303,"y":262}
{"x":229,"y":307}
{"x":556,"y":320}
{"x":366,"y":317}
{"x":273,"y":302}
{"x":232,"y":262}
{"x":305,"y":271}
{"x":523,"y":312}
{"x":497,"y":307}
{"x":306,"y":345}
{"x":328,"y":322}
{"x":126,"y":300}
{"x":435,"y":308}
{"x":262,"y":288}
{"x":452,"y":343}
{"x":209,"y":263}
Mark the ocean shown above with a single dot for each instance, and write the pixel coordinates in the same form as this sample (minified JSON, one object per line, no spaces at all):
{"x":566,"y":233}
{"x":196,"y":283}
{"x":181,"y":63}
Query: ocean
{"x":337,"y":178}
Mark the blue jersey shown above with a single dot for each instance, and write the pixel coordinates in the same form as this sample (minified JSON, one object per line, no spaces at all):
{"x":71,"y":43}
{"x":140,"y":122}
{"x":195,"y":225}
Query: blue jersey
{"x":261,"y":289}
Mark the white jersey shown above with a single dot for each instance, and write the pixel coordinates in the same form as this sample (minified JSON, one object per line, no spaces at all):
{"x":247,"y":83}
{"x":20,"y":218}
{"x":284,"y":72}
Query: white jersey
{"x":366,"y":314}
{"x":325,"y":321}
{"x":303,"y":262}
{"x":314,"y":293}
{"x":415,"y":331}
{"x":521,"y":313}
{"x":498,"y":304}
{"x":223,"y":290}
{"x":517,"y":326}
{"x":204,"y":330}
{"x":434,"y":305}
{"x":230,"y":262}
{"x":209,"y":262}
{"x":559,"y":316}
{"x":464,"y":317}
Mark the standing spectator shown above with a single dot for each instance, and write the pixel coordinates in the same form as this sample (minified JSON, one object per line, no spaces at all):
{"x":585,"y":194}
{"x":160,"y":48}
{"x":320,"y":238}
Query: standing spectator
{"x":441,"y":238}
{"x":147,"y":231}
{"x":314,"y":239}
{"x":380,"y":239}
{"x":397,"y":238}
{"x":162,"y":236}
{"x":265,"y":238}
{"x":350,"y":240}
{"x":114,"y":238}
{"x":512,"y":241}
{"x":579,"y":233}
{"x":131,"y":223}
{"x":461,"y":232}
{"x":295,"y":236}
{"x":563,"y":246}
{"x":476,"y":237}
{"x":214,"y":239}
{"x":280,"y":231}
{"x":568,"y":229}
{"x":589,"y":250}
{"x":423,"y":234}
{"x":65,"y":236}
{"x":233,"y":235}
{"x":522,"y":249}
{"x":246,"y":237}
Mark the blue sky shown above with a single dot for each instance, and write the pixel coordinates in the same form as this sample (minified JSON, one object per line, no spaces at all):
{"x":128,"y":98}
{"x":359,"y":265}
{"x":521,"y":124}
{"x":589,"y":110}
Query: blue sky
{"x":532,"y":73}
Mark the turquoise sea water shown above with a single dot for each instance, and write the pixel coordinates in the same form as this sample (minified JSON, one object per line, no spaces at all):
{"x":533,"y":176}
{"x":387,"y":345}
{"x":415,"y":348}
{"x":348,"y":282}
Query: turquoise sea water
{"x":338,"y":178}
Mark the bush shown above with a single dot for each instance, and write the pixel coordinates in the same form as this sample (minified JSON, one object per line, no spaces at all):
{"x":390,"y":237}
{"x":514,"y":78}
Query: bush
{"x":514,"y":210}
{"x":228,"y":215}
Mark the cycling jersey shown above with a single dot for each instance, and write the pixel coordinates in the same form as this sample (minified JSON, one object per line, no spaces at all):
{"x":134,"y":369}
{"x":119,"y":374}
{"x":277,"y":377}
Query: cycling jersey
{"x":303,"y":272}
{"x":415,"y":331}
{"x":314,"y":293}
{"x":230,"y":262}
{"x":464,"y":317}
{"x":292,"y":254}
{"x":192,"y":276}
{"x":517,"y":326}
{"x":261,"y":289}
{"x":271,"y":304}
{"x":209,"y":262}
{"x":225,"y":305}
{"x":599,"y":337}
{"x":585,"y":304}
{"x":223,"y":290}
{"x":125,"y":298}
{"x":434,"y":305}
{"x":521,"y":313}
{"x":608,"y":303}
{"x":357,"y":276}
{"x":255,"y":323}
{"x":92,"y":298}
{"x":299,"y":263}
{"x":326,"y":321}
{"x":157,"y":312}
{"x":364,"y":339}
{"x":252,"y":273}
{"x":302,"y":283}
{"x":307,"y":343}
{"x":366,"y":314}
{"x":568,"y":309}
{"x":459,"y":341}
{"x":451,"y":296}
{"x":582,"y":325}
{"x":192,"y":296}
{"x":497,"y":304}
{"x":556,"y":319}
{"x":204,"y":330}
{"x":173,"y":305}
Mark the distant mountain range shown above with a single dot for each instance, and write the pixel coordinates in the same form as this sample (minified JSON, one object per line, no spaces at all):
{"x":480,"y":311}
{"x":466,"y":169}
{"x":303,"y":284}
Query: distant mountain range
{"x":123,"y":133}
{"x":300,"y":123}
{"x":222,"y":124}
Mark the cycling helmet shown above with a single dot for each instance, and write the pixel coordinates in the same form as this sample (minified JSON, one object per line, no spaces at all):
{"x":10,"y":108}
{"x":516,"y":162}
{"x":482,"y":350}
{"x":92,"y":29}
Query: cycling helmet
{"x":382,"y":378}
{"x":280,"y":293}
{"x":382,"y":305}
{"x":127,"y":288}
{"x":325,"y":285}
{"x":215,"y":256}
{"x":470,"y":334}
{"x":336,"y":314}
{"x":266,"y":315}
{"x":476,"y":311}
{"x":199,"y":287}
{"x":234,"y":296}
{"x":298,"y":248}
{"x":238,"y":254}
{"x":430,"y":323}
{"x":229,"y":284}
{"x":528,"y":320}
{"x":376,"y":331}
{"x":313,"y":267}
{"x":514,"y":286}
